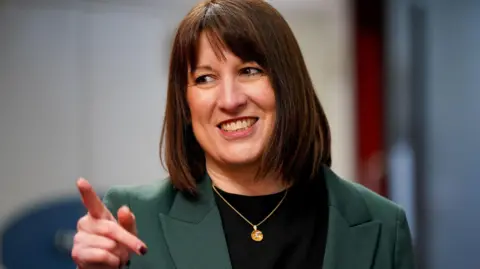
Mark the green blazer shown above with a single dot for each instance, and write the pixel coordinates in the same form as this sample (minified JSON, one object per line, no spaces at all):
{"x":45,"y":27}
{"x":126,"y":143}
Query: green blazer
{"x":364,"y":229}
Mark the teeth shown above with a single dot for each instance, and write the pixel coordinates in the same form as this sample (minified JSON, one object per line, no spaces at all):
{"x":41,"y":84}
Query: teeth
{"x":237,"y":125}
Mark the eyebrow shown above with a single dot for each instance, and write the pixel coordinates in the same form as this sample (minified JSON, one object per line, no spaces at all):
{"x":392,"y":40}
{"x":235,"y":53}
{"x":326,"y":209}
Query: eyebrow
{"x":204,"y":67}
{"x":209,"y":68}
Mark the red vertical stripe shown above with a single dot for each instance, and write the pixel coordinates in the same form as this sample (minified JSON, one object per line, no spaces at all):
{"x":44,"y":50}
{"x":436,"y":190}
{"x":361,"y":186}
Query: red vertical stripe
{"x":369,"y":77}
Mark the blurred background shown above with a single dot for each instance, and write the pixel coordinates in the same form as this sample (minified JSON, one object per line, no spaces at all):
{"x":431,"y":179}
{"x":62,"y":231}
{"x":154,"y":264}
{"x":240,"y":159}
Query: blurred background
{"x":83,"y":86}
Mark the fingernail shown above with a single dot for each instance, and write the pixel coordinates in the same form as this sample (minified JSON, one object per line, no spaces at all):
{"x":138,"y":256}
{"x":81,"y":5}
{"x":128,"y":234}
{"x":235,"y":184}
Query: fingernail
{"x":128,"y":263}
{"x":142,"y":250}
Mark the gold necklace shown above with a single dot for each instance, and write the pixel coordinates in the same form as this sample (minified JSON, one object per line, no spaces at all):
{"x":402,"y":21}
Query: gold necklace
{"x":256,"y":234}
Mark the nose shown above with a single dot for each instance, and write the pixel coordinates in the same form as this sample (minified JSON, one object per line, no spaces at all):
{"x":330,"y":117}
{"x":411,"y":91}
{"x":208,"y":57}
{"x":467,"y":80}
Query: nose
{"x":231,"y":98}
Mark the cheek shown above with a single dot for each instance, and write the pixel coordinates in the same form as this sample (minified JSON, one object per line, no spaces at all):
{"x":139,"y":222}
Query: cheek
{"x":270,"y":102}
{"x":265,"y":99}
{"x":195,"y":117}
{"x":196,"y":102}
{"x":268,"y":105}
{"x":200,"y":104}
{"x":191,"y":102}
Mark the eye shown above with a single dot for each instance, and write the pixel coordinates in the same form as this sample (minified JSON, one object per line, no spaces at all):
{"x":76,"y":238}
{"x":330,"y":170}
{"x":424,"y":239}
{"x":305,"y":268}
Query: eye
{"x":251,"y":71}
{"x":203,"y":79}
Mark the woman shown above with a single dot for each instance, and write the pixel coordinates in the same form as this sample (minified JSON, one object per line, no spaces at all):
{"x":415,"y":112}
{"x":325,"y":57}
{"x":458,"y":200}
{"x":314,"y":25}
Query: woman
{"x":247,"y":146}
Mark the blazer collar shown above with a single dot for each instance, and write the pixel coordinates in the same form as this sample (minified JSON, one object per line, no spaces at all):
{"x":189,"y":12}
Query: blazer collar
{"x":194,"y":233}
{"x":352,"y":233}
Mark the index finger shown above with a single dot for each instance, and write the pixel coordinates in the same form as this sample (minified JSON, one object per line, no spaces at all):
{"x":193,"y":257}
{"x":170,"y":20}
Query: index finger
{"x":92,"y":202}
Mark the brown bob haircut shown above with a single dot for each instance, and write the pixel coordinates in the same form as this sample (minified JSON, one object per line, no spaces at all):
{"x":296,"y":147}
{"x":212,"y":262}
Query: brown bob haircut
{"x":254,"y":31}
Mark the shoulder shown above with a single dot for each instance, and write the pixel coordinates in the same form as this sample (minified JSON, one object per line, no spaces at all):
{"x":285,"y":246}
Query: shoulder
{"x":159,"y":194}
{"x":380,"y":207}
{"x":358,"y":203}
{"x":396,"y":235}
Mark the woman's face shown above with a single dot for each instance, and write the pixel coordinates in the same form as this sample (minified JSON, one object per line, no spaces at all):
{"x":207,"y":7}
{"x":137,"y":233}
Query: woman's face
{"x":232,"y":106}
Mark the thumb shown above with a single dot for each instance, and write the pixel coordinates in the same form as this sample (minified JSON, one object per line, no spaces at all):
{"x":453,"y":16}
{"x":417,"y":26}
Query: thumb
{"x":126,"y":219}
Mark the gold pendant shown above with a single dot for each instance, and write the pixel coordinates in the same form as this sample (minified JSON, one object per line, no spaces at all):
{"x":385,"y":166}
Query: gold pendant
{"x":257,"y":235}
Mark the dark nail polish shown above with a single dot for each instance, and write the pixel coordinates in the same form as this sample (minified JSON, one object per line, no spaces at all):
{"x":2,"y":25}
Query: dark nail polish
{"x":143,"y":250}
{"x":128,"y":263}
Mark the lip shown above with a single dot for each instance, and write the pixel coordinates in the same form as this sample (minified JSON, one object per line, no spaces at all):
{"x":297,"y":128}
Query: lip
{"x":236,"y":119}
{"x":240,"y":133}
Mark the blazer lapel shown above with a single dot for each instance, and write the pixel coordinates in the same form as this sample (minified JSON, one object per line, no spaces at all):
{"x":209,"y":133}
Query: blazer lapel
{"x":352,"y":235}
{"x":194,"y":232}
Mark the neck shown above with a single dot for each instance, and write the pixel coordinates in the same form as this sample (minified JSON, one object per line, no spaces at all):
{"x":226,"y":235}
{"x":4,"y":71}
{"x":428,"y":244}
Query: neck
{"x":241,"y":180}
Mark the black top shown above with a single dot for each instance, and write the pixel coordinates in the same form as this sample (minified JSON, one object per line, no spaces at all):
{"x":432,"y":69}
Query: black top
{"x":294,"y":236}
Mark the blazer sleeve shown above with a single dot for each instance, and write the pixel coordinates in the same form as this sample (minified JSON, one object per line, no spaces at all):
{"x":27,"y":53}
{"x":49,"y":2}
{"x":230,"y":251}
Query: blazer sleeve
{"x":115,"y":198}
{"x":404,"y":257}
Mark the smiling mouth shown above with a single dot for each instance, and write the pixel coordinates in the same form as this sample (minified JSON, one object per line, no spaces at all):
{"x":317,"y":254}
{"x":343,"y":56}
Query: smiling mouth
{"x":238,"y":124}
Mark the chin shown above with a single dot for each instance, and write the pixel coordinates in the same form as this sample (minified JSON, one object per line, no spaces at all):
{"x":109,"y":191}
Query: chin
{"x":246,"y":156}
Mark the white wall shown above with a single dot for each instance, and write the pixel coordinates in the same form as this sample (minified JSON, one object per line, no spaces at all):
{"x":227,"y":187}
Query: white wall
{"x":82,"y":88}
